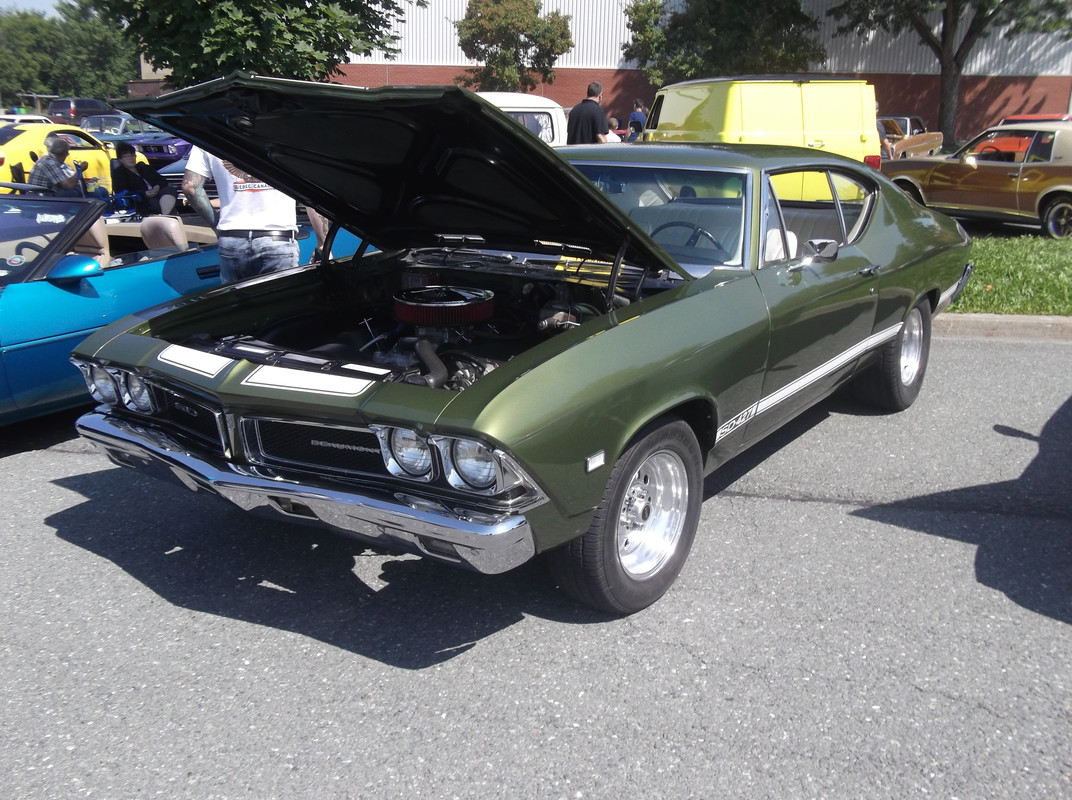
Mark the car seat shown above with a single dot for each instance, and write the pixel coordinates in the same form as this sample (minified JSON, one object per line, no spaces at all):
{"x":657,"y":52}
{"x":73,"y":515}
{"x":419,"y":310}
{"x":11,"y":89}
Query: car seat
{"x":166,"y":233}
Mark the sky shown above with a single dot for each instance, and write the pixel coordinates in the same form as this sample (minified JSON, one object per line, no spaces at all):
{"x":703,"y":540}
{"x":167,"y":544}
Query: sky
{"x":28,"y":5}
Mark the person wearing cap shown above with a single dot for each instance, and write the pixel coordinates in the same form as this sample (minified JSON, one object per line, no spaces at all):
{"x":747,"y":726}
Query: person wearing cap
{"x":151,"y":193}
{"x":257,"y":225}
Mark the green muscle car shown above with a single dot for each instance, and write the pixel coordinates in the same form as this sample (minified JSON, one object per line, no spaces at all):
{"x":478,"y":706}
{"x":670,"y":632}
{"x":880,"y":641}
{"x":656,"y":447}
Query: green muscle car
{"x":535,"y":351}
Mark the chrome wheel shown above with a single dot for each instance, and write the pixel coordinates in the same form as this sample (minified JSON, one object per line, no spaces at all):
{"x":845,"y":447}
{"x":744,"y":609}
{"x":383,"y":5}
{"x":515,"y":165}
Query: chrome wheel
{"x":912,"y":340}
{"x":653,"y":513}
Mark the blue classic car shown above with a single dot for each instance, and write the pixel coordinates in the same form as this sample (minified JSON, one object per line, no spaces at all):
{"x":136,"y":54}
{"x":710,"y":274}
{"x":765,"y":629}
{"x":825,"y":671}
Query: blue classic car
{"x":67,"y":269}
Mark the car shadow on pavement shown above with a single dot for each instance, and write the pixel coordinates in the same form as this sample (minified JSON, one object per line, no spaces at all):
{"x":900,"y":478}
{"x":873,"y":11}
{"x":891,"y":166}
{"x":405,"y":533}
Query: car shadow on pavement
{"x":206,"y":556}
{"x":39,"y":433}
{"x":1022,"y":528}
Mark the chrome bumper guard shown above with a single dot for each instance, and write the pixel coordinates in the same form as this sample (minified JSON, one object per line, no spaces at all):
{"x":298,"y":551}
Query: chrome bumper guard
{"x":487,"y":543}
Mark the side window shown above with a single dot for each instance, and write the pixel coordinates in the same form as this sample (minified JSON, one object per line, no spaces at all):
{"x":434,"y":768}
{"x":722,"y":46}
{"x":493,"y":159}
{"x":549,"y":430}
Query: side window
{"x":653,"y":117}
{"x":774,"y":242}
{"x":79,"y":142}
{"x":813,"y":204}
{"x":1042,"y":149}
{"x":1009,"y":146}
{"x":855,"y":199}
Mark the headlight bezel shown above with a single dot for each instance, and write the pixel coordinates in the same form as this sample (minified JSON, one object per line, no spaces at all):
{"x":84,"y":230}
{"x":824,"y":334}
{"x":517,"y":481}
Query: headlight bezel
{"x":470,"y":464}
{"x":397,"y":463}
{"x":135,"y":393}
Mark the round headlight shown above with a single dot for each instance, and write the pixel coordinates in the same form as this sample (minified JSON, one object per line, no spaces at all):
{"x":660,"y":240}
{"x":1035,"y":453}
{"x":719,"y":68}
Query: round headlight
{"x":411,"y":452}
{"x":474,"y":463}
{"x":103,"y":386}
{"x":138,"y":394}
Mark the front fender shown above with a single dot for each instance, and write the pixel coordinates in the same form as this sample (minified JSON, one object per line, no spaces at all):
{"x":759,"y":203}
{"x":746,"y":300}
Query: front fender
{"x":568,"y":418}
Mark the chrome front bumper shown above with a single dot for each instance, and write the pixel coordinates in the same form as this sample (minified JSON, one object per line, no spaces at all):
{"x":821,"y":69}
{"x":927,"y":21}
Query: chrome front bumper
{"x":488,"y":543}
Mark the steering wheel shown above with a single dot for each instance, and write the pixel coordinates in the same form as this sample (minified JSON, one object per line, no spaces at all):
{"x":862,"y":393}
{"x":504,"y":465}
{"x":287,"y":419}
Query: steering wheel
{"x":697,"y":232}
{"x":27,"y":245}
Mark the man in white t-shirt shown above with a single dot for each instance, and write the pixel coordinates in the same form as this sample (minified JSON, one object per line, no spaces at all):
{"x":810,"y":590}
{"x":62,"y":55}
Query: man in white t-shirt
{"x":257,"y":226}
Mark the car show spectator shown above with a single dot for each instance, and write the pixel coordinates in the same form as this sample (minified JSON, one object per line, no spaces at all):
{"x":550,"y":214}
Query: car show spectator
{"x":151,"y":193}
{"x":52,"y":172}
{"x":587,"y":122}
{"x":257,"y":225}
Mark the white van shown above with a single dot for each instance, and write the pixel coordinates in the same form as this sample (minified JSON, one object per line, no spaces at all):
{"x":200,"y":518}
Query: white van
{"x":542,"y":116}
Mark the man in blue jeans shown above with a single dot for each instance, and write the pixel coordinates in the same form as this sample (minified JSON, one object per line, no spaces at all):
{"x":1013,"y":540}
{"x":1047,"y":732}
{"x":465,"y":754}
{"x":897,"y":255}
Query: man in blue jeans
{"x":257,"y":227}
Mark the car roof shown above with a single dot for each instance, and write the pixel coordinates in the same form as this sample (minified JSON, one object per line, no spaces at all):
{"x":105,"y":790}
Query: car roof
{"x":752,"y":157}
{"x":514,"y":100}
{"x":1054,"y":125}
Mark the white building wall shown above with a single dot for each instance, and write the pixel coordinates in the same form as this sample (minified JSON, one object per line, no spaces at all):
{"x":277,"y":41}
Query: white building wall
{"x":1027,"y":54}
{"x":428,"y":37}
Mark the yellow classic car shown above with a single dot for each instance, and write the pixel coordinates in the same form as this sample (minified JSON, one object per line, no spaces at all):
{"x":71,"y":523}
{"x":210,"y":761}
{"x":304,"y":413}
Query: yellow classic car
{"x":21,"y":145}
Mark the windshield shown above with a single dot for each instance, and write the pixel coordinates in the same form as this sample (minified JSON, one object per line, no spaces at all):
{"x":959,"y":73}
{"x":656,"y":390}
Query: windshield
{"x":28,"y":227}
{"x":695,"y":215}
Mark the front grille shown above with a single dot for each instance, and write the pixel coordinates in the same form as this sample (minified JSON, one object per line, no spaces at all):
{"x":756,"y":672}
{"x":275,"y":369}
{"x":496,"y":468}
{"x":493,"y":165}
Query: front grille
{"x":306,"y":445}
{"x":191,"y":416}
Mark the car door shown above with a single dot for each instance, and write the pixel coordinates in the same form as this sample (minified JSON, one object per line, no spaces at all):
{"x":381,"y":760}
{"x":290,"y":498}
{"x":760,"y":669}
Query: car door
{"x":41,"y":320}
{"x":984,"y":175}
{"x":822,"y":306}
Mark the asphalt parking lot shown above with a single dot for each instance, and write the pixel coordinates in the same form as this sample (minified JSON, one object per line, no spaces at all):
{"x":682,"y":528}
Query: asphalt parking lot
{"x":876,"y":606}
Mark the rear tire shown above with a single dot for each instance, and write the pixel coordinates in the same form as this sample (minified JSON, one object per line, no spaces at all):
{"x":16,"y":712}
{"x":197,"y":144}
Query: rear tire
{"x":1057,"y":218}
{"x":643,"y":528}
{"x":894,"y":382}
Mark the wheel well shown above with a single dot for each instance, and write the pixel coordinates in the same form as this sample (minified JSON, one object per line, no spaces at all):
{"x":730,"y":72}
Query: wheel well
{"x":932,"y":297}
{"x":699,"y":415}
{"x":911,"y":190}
{"x":1048,"y":199}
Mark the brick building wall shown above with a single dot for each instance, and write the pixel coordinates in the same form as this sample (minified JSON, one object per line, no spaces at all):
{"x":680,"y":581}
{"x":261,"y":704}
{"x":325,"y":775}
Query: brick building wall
{"x":620,"y":86}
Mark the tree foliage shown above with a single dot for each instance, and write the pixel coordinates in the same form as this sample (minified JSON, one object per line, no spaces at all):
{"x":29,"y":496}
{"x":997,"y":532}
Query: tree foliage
{"x":951,"y":29}
{"x":701,"y":38}
{"x":513,"y":42}
{"x":201,"y":39}
{"x":76,"y":53}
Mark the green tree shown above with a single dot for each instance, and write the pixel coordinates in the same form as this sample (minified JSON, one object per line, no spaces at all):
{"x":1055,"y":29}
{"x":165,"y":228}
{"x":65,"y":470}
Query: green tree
{"x":75,"y":53}
{"x":94,"y":59}
{"x":513,"y":42}
{"x":201,"y":39}
{"x":950,"y":29}
{"x":27,"y":42}
{"x":720,"y":37}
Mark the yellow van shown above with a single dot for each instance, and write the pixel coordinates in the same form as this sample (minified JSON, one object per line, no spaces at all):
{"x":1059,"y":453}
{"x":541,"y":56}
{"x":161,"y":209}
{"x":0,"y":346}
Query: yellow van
{"x":832,"y":114}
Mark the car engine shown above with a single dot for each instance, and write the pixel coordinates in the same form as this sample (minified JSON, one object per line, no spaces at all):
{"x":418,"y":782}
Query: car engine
{"x":438,"y":335}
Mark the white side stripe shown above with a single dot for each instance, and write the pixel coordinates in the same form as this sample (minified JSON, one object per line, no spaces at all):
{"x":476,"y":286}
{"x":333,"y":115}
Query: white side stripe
{"x":803,"y":382}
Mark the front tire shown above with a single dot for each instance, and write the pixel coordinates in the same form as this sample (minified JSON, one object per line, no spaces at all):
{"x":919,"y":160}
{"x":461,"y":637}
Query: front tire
{"x":1057,"y":218}
{"x":894,"y":382}
{"x":643,"y":528}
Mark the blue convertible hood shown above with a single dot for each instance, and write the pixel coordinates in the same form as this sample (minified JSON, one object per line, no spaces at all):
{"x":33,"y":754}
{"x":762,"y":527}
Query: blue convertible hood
{"x":413,"y":166}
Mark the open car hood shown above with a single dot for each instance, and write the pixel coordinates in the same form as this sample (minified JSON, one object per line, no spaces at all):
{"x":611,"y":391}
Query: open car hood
{"x":413,"y":166}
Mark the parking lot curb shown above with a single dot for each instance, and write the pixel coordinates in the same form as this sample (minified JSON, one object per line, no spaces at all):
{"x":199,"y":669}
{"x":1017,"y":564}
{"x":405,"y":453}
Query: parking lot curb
{"x":1004,"y":326}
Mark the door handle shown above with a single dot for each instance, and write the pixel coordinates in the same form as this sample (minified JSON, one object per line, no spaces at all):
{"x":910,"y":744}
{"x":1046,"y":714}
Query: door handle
{"x":869,"y":271}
